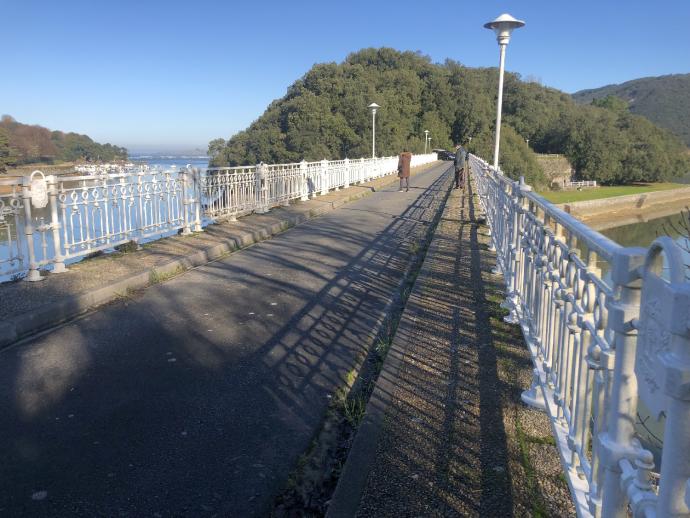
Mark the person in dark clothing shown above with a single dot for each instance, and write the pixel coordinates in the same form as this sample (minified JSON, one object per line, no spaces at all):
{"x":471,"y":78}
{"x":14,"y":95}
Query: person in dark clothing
{"x":404,"y":169}
{"x":460,"y":158}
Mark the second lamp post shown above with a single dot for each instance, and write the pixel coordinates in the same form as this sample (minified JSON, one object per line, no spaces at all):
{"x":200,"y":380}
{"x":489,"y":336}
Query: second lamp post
{"x":373,"y":107}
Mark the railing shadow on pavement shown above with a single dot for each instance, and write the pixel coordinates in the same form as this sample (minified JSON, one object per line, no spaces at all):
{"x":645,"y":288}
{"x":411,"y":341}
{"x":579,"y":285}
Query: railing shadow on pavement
{"x":444,"y":446}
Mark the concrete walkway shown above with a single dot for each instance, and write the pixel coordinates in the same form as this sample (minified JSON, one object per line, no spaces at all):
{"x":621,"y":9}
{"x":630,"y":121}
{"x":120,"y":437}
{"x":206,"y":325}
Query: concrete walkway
{"x":445,"y":433}
{"x":196,"y":396}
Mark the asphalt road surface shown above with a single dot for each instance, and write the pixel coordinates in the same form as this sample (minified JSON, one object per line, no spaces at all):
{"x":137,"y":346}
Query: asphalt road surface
{"x":197,"y":396}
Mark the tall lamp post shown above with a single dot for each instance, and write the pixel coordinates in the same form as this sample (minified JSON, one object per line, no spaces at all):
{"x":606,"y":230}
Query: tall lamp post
{"x":373,"y":107}
{"x":502,"y":26}
{"x":426,"y":139}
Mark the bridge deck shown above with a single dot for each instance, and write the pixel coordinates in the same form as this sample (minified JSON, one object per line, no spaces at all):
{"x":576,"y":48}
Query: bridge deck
{"x":198,"y":395}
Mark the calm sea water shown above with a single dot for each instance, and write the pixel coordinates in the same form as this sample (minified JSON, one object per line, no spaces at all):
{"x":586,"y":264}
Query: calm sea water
{"x":643,"y":233}
{"x":171,"y":162}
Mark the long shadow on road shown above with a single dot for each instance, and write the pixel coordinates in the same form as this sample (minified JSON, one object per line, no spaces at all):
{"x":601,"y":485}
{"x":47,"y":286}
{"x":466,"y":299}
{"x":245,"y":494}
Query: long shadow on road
{"x":197,"y":396}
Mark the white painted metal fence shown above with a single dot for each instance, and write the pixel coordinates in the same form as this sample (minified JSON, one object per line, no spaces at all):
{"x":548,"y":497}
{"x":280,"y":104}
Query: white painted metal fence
{"x":577,"y":185}
{"x":48,"y":221}
{"x":608,"y":329}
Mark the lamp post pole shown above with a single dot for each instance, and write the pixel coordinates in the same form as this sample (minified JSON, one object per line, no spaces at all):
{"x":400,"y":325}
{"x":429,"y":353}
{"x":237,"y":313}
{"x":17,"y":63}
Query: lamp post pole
{"x":502,"y":26}
{"x":373,"y":107}
{"x":426,"y":139}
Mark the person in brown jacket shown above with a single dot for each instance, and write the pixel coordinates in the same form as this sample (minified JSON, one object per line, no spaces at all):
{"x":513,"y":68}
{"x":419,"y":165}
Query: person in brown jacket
{"x":404,"y":169}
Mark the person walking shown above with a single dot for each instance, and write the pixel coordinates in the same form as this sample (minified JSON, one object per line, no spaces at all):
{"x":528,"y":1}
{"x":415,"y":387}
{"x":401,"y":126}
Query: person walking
{"x":404,"y":169}
{"x":460,"y":158}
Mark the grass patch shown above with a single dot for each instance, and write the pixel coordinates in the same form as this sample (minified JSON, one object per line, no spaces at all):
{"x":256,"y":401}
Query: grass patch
{"x":599,"y":193}
{"x":156,"y":277}
{"x":538,"y":505}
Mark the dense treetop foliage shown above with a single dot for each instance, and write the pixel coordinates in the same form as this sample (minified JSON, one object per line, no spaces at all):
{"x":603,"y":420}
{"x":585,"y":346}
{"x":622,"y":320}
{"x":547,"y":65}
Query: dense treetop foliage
{"x":664,"y":100}
{"x":24,"y":144}
{"x":324,"y":115}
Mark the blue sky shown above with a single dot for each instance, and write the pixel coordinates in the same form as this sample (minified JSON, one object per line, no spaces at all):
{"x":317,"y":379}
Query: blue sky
{"x":152,"y":75}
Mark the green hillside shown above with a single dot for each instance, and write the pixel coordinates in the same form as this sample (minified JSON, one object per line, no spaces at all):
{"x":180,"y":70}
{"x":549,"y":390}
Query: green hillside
{"x":324,"y":115}
{"x":664,"y":100}
{"x":22,"y":144}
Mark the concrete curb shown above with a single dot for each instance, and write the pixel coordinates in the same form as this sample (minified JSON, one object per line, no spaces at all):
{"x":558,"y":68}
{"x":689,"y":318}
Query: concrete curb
{"x":18,"y":327}
{"x":629,"y":202}
{"x":353,"y":479}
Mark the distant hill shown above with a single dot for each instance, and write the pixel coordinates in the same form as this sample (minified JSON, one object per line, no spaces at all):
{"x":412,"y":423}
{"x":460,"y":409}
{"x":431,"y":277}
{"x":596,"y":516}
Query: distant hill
{"x":664,"y":100}
{"x":22,"y":144}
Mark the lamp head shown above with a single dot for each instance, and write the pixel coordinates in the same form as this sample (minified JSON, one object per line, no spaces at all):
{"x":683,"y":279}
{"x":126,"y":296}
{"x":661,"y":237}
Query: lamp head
{"x":373,"y":107}
{"x":503,"y":26}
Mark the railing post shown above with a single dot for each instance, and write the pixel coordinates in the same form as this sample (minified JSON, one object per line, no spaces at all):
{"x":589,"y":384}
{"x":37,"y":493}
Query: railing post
{"x":33,"y":275}
{"x":305,"y":181}
{"x":187,"y":186}
{"x":662,"y":369}
{"x":616,"y":442}
{"x":58,"y":261}
{"x":324,"y":177}
{"x":347,"y":174}
{"x":512,"y":272}
{"x":196,"y":181}
{"x":261,"y":189}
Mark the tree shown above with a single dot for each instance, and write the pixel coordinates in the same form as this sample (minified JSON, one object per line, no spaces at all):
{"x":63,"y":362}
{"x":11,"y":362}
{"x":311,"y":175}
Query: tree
{"x":8,"y":155}
{"x":33,"y":144}
{"x":324,"y":115}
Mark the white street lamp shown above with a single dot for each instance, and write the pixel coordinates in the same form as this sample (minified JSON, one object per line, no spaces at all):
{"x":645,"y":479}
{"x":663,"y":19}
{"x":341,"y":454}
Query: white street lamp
{"x":502,"y":26}
{"x":426,"y":139}
{"x":373,"y":107}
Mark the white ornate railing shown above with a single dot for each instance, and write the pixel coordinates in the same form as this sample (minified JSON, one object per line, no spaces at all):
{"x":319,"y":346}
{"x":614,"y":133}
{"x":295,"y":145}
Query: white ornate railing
{"x":611,"y":352}
{"x":47,"y":221}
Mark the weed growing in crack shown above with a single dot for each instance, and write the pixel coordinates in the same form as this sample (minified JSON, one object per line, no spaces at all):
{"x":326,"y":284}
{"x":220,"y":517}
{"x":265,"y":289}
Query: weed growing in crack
{"x":353,"y":410}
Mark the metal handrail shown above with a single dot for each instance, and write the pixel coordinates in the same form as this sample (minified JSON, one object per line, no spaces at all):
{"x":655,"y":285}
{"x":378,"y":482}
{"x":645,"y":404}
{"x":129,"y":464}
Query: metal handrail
{"x":605,"y":348}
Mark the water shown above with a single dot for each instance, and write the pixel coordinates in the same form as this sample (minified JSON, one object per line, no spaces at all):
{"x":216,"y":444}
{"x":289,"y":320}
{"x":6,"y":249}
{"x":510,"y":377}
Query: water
{"x":644,"y":233}
{"x":170,"y":161}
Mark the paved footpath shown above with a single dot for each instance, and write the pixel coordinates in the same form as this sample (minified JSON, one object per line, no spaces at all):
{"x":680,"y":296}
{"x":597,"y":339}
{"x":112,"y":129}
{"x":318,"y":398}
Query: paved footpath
{"x":196,"y":396}
{"x":445,"y":433}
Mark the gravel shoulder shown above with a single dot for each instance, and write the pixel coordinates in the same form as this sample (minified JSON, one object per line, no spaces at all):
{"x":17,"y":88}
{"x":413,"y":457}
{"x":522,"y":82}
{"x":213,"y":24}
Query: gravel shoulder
{"x":453,"y":437}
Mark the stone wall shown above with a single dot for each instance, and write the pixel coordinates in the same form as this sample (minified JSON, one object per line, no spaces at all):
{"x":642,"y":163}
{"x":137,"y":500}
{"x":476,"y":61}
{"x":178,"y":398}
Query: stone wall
{"x":556,"y":168}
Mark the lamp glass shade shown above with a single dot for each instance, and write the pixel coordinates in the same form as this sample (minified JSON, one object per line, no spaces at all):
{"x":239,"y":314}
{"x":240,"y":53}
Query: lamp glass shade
{"x":503,"y":26}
